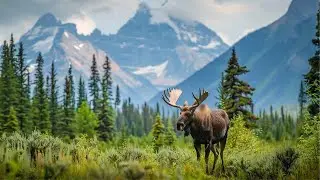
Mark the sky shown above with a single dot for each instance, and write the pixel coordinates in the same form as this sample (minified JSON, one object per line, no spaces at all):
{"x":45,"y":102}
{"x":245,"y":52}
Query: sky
{"x":231,"y":19}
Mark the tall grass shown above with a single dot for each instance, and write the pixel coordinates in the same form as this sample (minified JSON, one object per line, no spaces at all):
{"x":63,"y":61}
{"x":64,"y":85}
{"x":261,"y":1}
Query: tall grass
{"x":40,"y":156}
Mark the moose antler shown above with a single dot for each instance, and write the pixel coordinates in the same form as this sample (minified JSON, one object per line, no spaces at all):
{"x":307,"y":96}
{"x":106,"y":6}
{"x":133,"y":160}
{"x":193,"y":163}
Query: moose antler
{"x":171,"y":96}
{"x":202,"y":96}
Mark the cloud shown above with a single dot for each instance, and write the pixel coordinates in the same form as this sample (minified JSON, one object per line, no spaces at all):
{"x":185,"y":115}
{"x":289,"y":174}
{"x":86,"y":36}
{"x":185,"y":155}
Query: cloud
{"x":85,"y":25}
{"x":229,"y":18}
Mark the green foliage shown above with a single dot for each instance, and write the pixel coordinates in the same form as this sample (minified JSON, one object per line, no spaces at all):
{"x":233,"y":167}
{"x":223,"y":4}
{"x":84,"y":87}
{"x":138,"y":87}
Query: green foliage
{"x":106,"y":114}
{"x":40,"y":101}
{"x":82,"y":95}
{"x":94,"y":88}
{"x":53,"y":101}
{"x":237,"y":93}
{"x":158,"y":133}
{"x":12,"y":124}
{"x":312,"y":78}
{"x":8,"y":81}
{"x":85,"y":121}
{"x":170,"y":135}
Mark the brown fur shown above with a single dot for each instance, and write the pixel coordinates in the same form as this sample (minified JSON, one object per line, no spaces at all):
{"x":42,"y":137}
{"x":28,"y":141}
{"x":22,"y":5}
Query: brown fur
{"x":207,"y":127}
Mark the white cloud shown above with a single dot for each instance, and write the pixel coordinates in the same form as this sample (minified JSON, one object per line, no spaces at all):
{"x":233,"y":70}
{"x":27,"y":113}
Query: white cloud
{"x":85,"y":25}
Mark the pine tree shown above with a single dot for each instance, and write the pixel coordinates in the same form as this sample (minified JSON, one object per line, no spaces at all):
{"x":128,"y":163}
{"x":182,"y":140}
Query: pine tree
{"x":82,"y":96}
{"x":282,"y":114}
{"x":108,"y":77}
{"x":12,"y":124}
{"x":106,"y":117}
{"x":53,"y":100}
{"x":312,"y":78}
{"x":72,"y":89}
{"x":158,"y":133}
{"x":8,"y":79}
{"x":40,"y":101}
{"x":170,"y":136}
{"x":238,"y":93}
{"x":94,"y":88}
{"x":302,"y":99}
{"x":23,"y":106}
{"x":12,"y":52}
{"x":68,"y":108}
{"x":47,"y":87}
{"x":85,"y":121}
{"x":117,"y":100}
{"x":221,"y":98}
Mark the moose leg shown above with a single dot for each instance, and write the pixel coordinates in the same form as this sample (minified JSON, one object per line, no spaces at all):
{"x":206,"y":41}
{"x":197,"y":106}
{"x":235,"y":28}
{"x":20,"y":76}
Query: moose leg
{"x":223,"y":145}
{"x":216,"y":156}
{"x":207,"y":153}
{"x":197,"y":147}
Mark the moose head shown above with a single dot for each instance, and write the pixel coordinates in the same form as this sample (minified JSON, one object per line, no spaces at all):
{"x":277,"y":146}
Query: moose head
{"x":171,"y":96}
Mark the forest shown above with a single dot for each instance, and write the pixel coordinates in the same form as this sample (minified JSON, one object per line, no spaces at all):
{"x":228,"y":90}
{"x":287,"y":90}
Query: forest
{"x":85,"y":130}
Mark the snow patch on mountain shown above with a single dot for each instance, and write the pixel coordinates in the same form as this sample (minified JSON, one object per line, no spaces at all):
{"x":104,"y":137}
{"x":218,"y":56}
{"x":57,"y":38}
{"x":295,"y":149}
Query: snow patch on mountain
{"x":211,"y":45}
{"x":158,"y":70}
{"x":66,"y":34}
{"x":44,"y":46}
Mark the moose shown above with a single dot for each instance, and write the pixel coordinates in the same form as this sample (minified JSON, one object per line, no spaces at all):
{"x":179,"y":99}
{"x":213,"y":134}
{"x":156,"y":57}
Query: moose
{"x":207,"y":127}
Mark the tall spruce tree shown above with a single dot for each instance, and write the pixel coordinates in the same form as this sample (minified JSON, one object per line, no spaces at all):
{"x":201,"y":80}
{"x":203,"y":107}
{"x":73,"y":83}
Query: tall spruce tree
{"x":8,"y":79}
{"x":82,"y":96}
{"x":94,"y":88}
{"x":106,"y":116}
{"x":312,"y":78}
{"x":40,"y":101}
{"x":23,"y":106}
{"x":108,"y":77}
{"x":53,"y":100}
{"x":302,"y":99}
{"x":238,"y":93}
{"x":72,"y":89}
{"x":117,"y":100}
{"x":68,"y":106}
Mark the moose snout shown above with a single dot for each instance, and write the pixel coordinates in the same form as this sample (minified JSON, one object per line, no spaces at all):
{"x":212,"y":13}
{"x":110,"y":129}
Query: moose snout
{"x":180,"y":126}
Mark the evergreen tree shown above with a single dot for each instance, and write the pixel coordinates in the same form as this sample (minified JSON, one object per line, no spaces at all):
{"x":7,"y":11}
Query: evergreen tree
{"x":117,"y":100}
{"x":221,"y":98}
{"x":94,"y":85}
{"x":237,"y":92}
{"x":23,"y":105}
{"x":47,"y":87}
{"x":12,"y":52}
{"x":82,"y":96}
{"x":85,"y":121}
{"x":170,"y":136}
{"x":107,"y":77}
{"x":312,"y":78}
{"x":8,"y":79}
{"x":302,"y":99}
{"x":53,"y":100}
{"x":68,"y":108}
{"x":158,"y":133}
{"x":146,"y":116}
{"x":12,"y":124}
{"x":272,"y":115}
{"x":40,"y":101}
{"x":106,"y":117}
{"x":72,"y":90}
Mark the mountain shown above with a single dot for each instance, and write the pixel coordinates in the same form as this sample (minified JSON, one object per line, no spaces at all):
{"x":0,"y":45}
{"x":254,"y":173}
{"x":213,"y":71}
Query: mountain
{"x":60,"y":43}
{"x":165,"y":52}
{"x":276,"y":55}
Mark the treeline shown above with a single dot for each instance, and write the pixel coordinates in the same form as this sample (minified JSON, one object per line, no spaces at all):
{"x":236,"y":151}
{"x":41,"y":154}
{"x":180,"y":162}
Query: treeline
{"x":84,"y":108}
{"x":44,"y":110}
